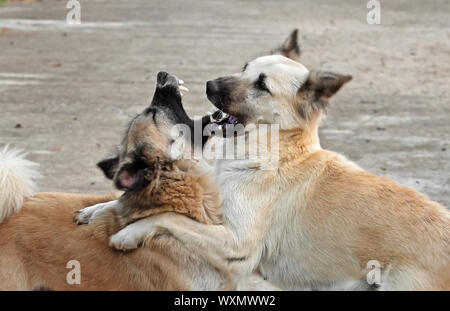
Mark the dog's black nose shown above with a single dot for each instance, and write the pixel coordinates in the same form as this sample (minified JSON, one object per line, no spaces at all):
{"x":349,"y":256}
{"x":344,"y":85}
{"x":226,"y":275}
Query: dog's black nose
{"x":214,"y":92}
{"x":211,"y":87}
{"x":161,"y":77}
{"x":166,"y":79}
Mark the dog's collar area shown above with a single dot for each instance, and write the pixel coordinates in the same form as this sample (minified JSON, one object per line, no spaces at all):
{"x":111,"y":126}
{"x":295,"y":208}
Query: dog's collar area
{"x":221,"y":118}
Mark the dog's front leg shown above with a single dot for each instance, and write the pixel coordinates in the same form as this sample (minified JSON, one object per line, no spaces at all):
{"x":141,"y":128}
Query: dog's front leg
{"x":88,"y":214}
{"x":216,"y":243}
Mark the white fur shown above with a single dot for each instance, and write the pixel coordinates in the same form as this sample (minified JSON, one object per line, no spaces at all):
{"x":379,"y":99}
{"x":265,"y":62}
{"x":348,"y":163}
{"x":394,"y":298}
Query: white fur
{"x":88,"y":214}
{"x":253,"y":231}
{"x":17,"y":180}
{"x":277,"y":107}
{"x":131,"y":236}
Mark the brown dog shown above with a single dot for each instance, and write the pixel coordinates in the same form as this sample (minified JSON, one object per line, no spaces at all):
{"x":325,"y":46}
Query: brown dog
{"x":39,"y":242}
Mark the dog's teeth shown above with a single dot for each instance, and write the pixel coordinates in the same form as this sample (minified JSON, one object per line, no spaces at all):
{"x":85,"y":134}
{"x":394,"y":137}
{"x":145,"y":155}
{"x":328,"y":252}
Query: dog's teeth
{"x":180,"y":82}
{"x":183,"y":88}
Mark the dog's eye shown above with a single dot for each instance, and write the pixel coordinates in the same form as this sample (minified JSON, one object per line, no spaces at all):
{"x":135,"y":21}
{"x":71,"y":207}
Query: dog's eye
{"x":260,"y":84}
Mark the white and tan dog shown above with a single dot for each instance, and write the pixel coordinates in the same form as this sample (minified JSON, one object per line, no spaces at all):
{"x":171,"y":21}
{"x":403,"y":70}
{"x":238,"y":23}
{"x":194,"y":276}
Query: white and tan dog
{"x":317,"y":219}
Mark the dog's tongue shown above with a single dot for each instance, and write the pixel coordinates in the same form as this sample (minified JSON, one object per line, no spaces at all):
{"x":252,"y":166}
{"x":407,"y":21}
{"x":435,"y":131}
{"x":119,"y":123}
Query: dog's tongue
{"x":127,"y":180}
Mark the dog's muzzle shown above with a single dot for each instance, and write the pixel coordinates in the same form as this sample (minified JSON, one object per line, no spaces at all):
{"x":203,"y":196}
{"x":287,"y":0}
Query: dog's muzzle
{"x":212,"y":92}
{"x":218,"y":91}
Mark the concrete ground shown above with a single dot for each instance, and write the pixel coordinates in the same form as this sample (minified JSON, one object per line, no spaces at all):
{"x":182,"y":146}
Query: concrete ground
{"x":66,"y":92}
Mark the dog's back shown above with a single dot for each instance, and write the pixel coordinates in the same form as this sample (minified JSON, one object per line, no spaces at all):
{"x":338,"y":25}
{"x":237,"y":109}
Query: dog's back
{"x":38,"y":243}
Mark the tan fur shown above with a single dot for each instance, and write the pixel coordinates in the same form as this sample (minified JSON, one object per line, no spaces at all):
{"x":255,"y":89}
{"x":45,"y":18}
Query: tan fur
{"x":316,"y":220}
{"x":334,"y":218}
{"x":178,"y":186}
{"x":365,"y":217}
{"x":189,"y":193}
{"x":38,"y":242}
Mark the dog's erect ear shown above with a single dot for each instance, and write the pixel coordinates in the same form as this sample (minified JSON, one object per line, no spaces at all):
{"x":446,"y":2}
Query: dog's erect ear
{"x":109,"y":166}
{"x":324,"y":84}
{"x":318,"y":88}
{"x":290,"y":47}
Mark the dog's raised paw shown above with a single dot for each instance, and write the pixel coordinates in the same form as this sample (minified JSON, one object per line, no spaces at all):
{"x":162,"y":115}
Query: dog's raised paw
{"x":81,"y":217}
{"x":125,"y":241}
{"x":88,"y":214}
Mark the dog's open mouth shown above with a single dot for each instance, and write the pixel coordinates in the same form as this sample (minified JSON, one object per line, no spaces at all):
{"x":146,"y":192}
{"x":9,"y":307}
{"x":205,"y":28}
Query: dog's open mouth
{"x":169,"y":85}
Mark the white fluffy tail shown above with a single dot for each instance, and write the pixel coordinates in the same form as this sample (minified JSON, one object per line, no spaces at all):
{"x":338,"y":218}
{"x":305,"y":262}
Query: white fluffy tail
{"x":17,"y":180}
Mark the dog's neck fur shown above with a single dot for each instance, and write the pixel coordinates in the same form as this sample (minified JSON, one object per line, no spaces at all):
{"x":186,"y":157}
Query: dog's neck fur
{"x":296,"y":144}
{"x":257,"y":224}
{"x":185,"y":189}
{"x":202,"y":177}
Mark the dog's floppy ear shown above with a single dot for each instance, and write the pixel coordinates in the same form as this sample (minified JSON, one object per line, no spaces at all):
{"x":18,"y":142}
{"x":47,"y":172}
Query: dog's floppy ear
{"x":109,"y":165}
{"x":319,"y":87}
{"x":290,"y":47}
{"x":131,"y":176}
{"x":136,"y":175}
